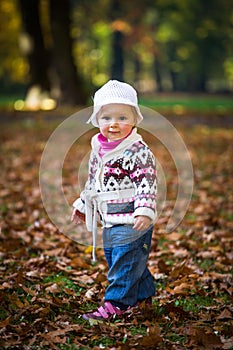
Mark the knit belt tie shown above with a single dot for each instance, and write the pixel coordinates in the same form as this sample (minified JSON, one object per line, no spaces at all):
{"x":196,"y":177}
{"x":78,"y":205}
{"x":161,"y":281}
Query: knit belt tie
{"x":92,"y":201}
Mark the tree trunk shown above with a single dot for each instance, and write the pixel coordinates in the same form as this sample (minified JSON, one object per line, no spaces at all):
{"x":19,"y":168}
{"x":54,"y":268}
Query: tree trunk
{"x":38,"y":56}
{"x":172,"y":58}
{"x":72,"y":88}
{"x":117,"y":66}
{"x":158,"y":78}
{"x":137,"y":68}
{"x":117,"y":69}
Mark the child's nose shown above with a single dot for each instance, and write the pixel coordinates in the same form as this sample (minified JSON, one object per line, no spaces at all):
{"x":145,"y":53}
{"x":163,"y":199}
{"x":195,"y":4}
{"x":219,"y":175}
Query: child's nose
{"x":113,"y":123}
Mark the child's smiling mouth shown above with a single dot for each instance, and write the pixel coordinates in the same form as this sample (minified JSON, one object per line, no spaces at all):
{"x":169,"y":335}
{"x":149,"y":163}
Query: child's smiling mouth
{"x":113,"y":132}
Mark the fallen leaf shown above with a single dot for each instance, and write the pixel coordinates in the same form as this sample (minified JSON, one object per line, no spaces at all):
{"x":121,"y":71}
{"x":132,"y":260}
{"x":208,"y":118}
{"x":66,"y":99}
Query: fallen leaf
{"x":225,"y":314}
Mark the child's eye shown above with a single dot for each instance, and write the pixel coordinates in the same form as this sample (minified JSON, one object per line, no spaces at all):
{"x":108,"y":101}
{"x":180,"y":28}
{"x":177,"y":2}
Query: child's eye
{"x":122,"y":118}
{"x":105,"y":117}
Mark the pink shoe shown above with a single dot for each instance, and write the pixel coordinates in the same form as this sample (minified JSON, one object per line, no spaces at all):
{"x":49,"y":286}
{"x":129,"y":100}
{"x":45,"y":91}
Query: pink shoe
{"x":104,"y":312}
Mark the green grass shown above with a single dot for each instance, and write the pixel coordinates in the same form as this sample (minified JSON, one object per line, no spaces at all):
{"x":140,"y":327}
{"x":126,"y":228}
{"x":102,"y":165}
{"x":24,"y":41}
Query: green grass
{"x":174,"y":337}
{"x":102,"y":342}
{"x":3,"y":313}
{"x":4,"y":209}
{"x":194,"y":303}
{"x":205,"y":264}
{"x":190,"y":102}
{"x":69,"y":346}
{"x":8,"y":100}
{"x":141,"y":329}
{"x":60,"y":279}
{"x":172,"y":101}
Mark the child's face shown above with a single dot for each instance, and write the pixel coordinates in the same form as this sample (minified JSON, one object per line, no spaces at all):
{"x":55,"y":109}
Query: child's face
{"x":116,"y":120}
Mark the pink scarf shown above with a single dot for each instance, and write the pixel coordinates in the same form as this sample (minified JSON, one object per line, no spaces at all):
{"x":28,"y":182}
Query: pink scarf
{"x":106,"y":146}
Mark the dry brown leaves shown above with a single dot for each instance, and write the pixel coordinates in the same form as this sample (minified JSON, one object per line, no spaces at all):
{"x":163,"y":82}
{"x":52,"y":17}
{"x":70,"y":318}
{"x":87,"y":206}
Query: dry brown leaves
{"x":48,"y":281}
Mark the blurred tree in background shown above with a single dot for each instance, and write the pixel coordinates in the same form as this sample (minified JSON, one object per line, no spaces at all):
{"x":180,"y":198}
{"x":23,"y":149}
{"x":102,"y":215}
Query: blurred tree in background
{"x":51,"y":62}
{"x":66,"y":49}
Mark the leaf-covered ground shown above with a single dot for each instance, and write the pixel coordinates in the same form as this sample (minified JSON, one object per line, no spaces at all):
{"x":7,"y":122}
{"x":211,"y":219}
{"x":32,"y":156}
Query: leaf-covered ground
{"x":48,"y":280}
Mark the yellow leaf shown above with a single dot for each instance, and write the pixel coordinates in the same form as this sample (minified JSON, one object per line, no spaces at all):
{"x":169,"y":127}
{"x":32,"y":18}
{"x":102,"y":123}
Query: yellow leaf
{"x":88,"y":249}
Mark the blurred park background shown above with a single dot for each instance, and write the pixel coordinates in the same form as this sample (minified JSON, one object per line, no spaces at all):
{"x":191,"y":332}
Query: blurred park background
{"x":54,"y":54}
{"x":57,"y":53}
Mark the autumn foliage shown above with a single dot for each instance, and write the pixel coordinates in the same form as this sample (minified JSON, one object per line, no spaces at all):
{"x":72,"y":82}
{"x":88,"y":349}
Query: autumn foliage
{"x":48,"y":280}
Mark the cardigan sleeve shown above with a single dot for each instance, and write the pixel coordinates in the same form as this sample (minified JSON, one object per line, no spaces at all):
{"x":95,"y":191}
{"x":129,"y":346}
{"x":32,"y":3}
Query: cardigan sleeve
{"x":143,"y":176}
{"x":79,"y":203}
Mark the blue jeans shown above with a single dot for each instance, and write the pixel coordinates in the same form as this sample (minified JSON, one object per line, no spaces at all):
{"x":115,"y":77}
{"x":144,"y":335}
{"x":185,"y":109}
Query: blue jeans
{"x":129,"y":278}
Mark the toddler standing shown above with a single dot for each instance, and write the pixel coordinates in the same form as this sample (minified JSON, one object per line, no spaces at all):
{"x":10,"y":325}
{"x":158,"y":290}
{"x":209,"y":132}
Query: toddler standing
{"x":121,"y":192}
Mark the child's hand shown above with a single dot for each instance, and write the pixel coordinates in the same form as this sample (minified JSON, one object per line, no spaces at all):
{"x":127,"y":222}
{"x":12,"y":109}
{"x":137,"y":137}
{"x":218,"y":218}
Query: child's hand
{"x":77,"y":217}
{"x":141,"y":223}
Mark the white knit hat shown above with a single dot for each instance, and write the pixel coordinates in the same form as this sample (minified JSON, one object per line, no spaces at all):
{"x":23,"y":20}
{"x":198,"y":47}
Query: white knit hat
{"x":114,"y":92}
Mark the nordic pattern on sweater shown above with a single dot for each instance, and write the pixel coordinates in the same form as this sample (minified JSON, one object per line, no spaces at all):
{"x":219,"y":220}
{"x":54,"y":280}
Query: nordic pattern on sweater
{"x":136,"y":167}
{"x":131,"y":165}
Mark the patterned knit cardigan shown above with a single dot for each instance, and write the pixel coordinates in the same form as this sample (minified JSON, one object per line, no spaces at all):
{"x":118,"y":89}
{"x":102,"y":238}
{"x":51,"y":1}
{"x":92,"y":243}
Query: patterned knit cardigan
{"x":128,"y":168}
